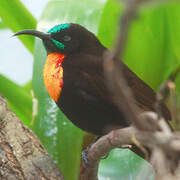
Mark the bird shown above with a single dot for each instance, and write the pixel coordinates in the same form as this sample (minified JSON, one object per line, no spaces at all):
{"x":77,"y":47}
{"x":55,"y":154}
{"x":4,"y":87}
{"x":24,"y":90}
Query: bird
{"x":74,"y":78}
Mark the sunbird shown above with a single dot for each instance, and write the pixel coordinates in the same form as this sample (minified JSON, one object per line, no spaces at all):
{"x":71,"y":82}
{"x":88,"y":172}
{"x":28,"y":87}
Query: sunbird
{"x":74,"y":78}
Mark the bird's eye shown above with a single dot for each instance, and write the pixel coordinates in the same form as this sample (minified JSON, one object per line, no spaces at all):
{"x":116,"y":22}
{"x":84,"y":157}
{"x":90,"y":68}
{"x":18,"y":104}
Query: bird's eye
{"x":66,"y":38}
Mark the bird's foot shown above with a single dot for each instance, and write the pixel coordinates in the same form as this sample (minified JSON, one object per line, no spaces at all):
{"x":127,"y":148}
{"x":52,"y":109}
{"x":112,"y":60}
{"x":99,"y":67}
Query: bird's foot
{"x":85,"y":160}
{"x":84,"y":156}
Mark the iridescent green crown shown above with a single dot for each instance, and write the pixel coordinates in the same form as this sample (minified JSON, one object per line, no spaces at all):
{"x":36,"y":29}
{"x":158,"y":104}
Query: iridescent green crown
{"x":58,"y":28}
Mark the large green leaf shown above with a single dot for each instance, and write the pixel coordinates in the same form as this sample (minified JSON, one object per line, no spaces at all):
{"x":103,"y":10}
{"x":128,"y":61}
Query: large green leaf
{"x":28,"y":86}
{"x":152,"y":48}
{"x":18,"y":98}
{"x":2,"y":25}
{"x":60,"y":137}
{"x":17,"y":17}
{"x":122,"y":164}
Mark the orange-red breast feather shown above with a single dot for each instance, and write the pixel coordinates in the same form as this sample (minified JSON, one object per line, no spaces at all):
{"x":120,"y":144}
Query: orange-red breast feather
{"x":53,"y":74}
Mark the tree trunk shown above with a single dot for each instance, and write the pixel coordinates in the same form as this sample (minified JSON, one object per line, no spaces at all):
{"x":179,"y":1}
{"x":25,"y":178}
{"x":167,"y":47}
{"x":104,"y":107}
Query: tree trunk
{"x":22,"y":157}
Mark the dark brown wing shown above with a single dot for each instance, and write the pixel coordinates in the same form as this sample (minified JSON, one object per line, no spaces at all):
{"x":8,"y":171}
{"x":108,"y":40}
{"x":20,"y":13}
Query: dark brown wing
{"x":91,"y":72}
{"x":144,"y":95}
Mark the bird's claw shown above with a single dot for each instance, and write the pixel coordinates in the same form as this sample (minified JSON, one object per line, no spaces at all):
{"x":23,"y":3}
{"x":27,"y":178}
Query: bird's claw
{"x":84,"y":156}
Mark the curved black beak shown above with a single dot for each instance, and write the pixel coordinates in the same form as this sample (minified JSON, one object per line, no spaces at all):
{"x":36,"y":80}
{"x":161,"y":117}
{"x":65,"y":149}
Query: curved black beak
{"x":41,"y":35}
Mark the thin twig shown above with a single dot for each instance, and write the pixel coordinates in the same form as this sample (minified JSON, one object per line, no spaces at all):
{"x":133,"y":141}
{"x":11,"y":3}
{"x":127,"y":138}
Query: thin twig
{"x":164,"y":91}
{"x":173,"y":104}
{"x":113,"y":69}
{"x":167,"y":144}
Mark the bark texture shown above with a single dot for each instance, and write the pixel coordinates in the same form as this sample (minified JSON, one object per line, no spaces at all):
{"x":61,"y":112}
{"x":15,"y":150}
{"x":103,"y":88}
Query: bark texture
{"x":22,"y":157}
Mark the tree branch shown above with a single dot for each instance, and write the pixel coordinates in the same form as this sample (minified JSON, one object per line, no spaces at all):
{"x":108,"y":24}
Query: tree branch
{"x":150,"y":129}
{"x":21,"y":154}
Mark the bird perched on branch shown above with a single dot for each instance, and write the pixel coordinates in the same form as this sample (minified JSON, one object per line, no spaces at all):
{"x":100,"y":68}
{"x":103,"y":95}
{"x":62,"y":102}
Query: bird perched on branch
{"x":74,"y":78}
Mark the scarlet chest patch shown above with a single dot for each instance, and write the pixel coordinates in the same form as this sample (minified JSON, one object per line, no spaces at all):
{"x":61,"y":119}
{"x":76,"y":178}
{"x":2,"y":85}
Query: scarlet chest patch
{"x":53,"y":75}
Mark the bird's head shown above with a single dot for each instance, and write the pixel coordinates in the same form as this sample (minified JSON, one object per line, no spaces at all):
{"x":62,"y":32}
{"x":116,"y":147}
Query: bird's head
{"x":64,"y":38}
{"x":61,"y":41}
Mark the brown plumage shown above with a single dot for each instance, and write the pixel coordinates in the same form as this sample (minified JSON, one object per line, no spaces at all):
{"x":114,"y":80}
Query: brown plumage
{"x":85,"y":98}
{"x":87,"y":101}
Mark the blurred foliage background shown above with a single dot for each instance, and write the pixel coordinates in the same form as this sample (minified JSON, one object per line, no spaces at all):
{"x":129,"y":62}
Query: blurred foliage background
{"x":152,"y":53}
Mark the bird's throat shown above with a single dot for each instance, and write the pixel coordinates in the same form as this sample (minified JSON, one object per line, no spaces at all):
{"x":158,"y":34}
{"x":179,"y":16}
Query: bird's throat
{"x":53,"y":74}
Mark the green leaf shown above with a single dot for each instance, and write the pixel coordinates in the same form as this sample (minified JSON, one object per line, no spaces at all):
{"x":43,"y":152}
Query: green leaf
{"x":107,"y":31}
{"x":19,"y":99}
{"x":123,"y":164}
{"x":152,"y":47}
{"x":19,"y":113}
{"x":60,"y":137}
{"x":173,"y":17}
{"x":15,"y":15}
{"x":2,"y":26}
{"x":28,"y":86}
